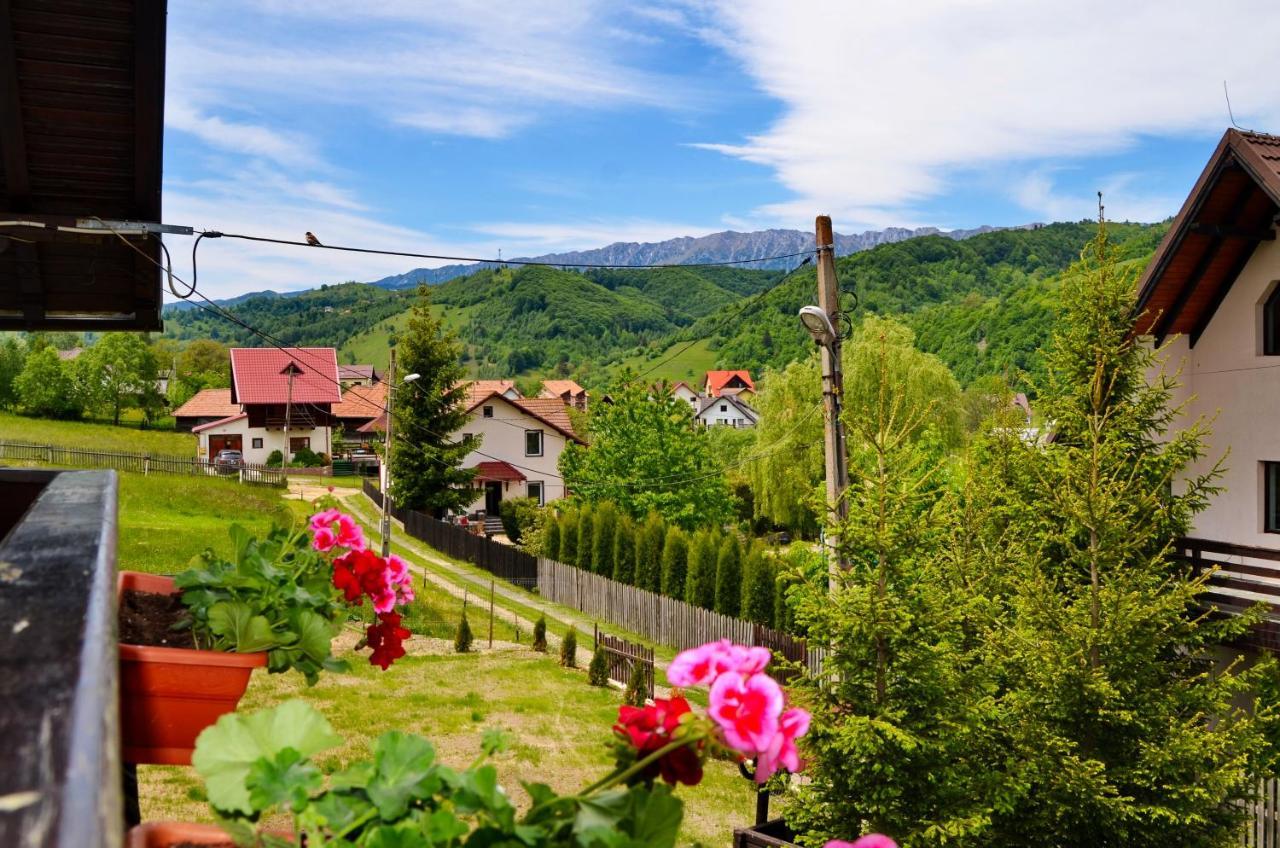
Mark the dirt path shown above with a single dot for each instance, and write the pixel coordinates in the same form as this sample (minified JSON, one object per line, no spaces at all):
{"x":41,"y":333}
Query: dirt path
{"x":361,"y":507}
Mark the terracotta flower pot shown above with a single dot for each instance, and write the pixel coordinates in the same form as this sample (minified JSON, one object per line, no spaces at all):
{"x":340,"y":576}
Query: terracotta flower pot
{"x":165,"y":834}
{"x":169,"y":695}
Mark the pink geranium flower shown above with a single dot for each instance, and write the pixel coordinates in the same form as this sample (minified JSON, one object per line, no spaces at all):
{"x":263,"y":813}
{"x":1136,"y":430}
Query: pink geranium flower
{"x":384,"y":600}
{"x":399,"y":570}
{"x":700,"y":666}
{"x":782,"y":752}
{"x":349,"y":533}
{"x":746,"y":707}
{"x":324,"y":519}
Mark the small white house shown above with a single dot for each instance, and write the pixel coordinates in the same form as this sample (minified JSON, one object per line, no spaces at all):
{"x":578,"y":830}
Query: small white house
{"x":727,"y":410}
{"x":688,"y":394}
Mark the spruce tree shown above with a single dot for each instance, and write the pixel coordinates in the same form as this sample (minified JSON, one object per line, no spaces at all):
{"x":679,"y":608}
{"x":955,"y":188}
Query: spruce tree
{"x":637,"y":685}
{"x":462,"y":639}
{"x":624,"y":552}
{"x":649,"y":553}
{"x":598,"y":670}
{"x":569,"y":649}
{"x":700,"y":583}
{"x":606,"y":523}
{"x":728,"y":593}
{"x":569,"y":537}
{"x":550,"y":536}
{"x":426,"y":466}
{"x":586,"y":539}
{"x":675,"y":563}
{"x":540,"y":634}
{"x":758,"y":586}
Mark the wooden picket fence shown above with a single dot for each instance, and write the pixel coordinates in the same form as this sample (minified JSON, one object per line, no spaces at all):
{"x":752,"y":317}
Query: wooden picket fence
{"x":1264,"y":830}
{"x":624,"y":656}
{"x":141,"y":463}
{"x":660,"y":619}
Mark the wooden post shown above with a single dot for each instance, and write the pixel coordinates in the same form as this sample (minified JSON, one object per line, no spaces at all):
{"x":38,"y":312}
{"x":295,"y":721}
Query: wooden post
{"x":491,"y":614}
{"x":385,"y":527}
{"x":837,"y":472}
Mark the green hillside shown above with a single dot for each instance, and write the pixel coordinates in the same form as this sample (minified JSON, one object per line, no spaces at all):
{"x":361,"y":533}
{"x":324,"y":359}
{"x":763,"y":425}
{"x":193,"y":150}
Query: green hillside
{"x":985,"y":305}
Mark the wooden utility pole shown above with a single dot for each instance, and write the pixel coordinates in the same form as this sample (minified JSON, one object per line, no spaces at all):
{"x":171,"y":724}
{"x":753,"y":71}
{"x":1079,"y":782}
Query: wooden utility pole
{"x":288,"y":416}
{"x":386,"y":459}
{"x":837,"y":470}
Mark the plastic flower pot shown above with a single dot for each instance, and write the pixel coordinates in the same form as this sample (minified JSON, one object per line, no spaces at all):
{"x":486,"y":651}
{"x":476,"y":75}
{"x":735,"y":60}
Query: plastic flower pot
{"x":165,"y":834}
{"x":169,"y":695}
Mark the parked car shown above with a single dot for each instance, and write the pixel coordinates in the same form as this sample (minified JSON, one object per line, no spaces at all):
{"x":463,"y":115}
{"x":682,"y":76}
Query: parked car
{"x":228,"y":460}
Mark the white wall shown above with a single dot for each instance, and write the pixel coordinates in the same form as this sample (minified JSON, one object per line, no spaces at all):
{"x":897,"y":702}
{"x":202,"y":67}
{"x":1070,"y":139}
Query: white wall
{"x":1228,"y":380}
{"x":272,"y":440}
{"x":503,"y":439}
{"x":731,"y":415}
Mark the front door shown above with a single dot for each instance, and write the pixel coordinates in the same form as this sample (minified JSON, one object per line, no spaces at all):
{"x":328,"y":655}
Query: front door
{"x":227,"y":442}
{"x":492,"y":497}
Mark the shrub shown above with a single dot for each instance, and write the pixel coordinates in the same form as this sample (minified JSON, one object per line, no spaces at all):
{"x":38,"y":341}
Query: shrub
{"x":275,"y":459}
{"x":758,"y":587}
{"x":729,"y":577}
{"x":598,"y":671}
{"x":624,"y":552}
{"x":306,"y":458}
{"x":700,"y":582}
{"x":551,"y":537}
{"x":586,"y":539}
{"x":569,"y":537}
{"x":606,"y":525}
{"x":649,"y":553}
{"x":638,"y":685}
{"x":675,"y":563}
{"x":462,"y":641}
{"x":569,"y":649}
{"x":518,"y":515}
{"x":540,"y":634}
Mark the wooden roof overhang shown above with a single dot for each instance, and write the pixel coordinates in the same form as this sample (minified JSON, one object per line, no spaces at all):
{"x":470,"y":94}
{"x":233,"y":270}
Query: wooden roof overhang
{"x":1232,"y":208}
{"x":81,"y":132}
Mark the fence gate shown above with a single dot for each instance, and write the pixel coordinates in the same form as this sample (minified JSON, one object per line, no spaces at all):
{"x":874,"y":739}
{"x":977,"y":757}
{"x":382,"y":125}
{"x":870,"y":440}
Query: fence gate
{"x":623,"y":656}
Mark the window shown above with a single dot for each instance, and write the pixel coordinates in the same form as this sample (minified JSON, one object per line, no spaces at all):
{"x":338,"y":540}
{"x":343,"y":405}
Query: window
{"x":533,"y":443}
{"x":257,"y":442}
{"x":1271,"y":497}
{"x":724,"y":407}
{"x":488,"y":412}
{"x":535,"y":491}
{"x":297,"y":443}
{"x":1271,"y":324}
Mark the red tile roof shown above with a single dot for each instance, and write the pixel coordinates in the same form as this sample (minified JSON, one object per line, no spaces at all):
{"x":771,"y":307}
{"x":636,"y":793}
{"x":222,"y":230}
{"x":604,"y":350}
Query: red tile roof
{"x":476,"y":389}
{"x":717,"y":380}
{"x":362,"y":402}
{"x":258,"y":375}
{"x":219,"y":422}
{"x":498,"y":471}
{"x":208,"y":403}
{"x":560,"y":388}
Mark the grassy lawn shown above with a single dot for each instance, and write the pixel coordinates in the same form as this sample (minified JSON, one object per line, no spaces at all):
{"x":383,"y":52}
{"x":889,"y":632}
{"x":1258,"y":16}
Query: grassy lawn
{"x":560,"y":728}
{"x":104,"y":437}
{"x":690,"y":365}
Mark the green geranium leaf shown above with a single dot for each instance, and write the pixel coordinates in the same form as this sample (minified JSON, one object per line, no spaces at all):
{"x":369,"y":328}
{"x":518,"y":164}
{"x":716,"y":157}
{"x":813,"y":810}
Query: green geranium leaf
{"x":395,"y":836}
{"x":402,"y":772}
{"x":335,"y":811}
{"x":656,"y":817}
{"x":227,"y":750}
{"x":285,"y":780}
{"x":604,"y":811}
{"x":235,"y":621}
{"x":495,"y":740}
{"x":477,"y":791}
{"x":443,"y":827}
{"x":315,"y":634}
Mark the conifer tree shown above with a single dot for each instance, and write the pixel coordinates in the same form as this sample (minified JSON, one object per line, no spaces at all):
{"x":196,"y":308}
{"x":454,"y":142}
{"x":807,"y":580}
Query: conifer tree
{"x":758,"y":586}
{"x":700,"y":583}
{"x":598,"y":670}
{"x":728,"y":592}
{"x":569,"y":537}
{"x":624,"y":552}
{"x":650,"y":537}
{"x":606,"y":523}
{"x":637,"y":685}
{"x":540,"y":634}
{"x":427,"y":473}
{"x":586,"y":539}
{"x":551,"y":536}
{"x":569,"y":649}
{"x":675,"y":563}
{"x":462,"y":639}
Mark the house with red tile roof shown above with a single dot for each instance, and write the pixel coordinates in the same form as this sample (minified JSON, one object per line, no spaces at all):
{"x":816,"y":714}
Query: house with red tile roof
{"x":565,"y":390}
{"x":204,"y":406}
{"x":734,"y":382}
{"x":283,"y":401}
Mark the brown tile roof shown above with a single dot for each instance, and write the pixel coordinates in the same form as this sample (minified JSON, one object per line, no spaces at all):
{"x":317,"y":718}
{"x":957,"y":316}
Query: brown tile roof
{"x":560,"y":388}
{"x":208,"y":403}
{"x":362,"y":402}
{"x":476,"y":389}
{"x":551,"y":410}
{"x":1230,"y":209}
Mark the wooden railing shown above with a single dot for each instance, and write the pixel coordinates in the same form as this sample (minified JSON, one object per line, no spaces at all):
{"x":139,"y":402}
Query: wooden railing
{"x":1245,"y":576}
{"x":140,"y":463}
{"x":623,"y":657}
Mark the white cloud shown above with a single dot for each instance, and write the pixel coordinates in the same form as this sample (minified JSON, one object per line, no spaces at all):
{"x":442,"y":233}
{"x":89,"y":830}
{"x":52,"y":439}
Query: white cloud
{"x":477,"y":123}
{"x":1122,"y":194}
{"x":238,"y":137}
{"x":883,"y":100}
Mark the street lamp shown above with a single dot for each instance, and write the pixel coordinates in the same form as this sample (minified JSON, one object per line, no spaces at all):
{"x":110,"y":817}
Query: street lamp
{"x":819,"y":325}
{"x":386,"y":475}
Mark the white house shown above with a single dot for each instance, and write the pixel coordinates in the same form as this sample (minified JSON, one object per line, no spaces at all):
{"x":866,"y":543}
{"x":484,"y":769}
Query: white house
{"x":688,"y":394}
{"x":276,"y":391}
{"x":728,"y":410}
{"x":521,"y":443}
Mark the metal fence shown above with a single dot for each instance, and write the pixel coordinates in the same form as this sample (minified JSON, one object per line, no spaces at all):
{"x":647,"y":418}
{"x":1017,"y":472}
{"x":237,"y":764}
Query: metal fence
{"x":502,"y":561}
{"x":623,"y":657}
{"x":661,"y":619}
{"x":141,"y":463}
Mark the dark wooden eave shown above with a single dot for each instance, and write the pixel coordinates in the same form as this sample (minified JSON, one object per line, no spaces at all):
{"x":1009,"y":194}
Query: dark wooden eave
{"x":1232,"y":208}
{"x":81,"y":132}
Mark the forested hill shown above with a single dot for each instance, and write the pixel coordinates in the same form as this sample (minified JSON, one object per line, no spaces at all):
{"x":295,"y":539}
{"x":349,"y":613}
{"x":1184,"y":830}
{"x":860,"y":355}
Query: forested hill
{"x":985,"y":304}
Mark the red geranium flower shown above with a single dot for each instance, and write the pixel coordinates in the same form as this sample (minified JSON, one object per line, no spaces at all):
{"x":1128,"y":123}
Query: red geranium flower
{"x":386,"y":638}
{"x":649,"y":729}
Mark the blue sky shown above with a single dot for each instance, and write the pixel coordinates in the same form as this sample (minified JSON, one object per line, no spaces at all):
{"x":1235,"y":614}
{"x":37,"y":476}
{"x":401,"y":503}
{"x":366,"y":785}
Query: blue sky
{"x":465,"y":127}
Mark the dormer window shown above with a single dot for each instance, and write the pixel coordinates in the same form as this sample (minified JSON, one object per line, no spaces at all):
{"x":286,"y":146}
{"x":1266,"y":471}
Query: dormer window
{"x":1271,"y":324}
{"x":488,"y":412}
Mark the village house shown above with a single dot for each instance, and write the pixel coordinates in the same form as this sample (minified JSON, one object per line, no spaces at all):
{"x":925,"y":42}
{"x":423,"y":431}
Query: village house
{"x":358,"y":375}
{"x":567,"y":391}
{"x":360,"y":404}
{"x":727,"y":410}
{"x":728,"y":382}
{"x":275,"y":390}
{"x":204,"y":407}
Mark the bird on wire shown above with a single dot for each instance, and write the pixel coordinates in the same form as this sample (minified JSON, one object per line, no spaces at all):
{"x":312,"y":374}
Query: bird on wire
{"x":312,"y":240}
